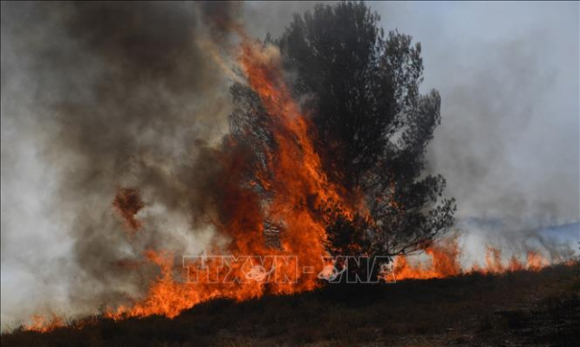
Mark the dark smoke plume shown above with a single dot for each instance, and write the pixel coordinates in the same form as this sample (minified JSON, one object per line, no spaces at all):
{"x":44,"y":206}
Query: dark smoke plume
{"x":131,"y":97}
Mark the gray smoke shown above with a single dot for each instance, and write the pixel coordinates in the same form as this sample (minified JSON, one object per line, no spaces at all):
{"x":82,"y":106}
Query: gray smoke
{"x":508,"y":144}
{"x":493,"y":112}
{"x":509,"y":141}
{"x":111,"y":95}
{"x":98,"y":97}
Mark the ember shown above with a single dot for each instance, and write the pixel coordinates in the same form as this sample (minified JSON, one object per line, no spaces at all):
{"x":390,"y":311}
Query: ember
{"x":128,"y":203}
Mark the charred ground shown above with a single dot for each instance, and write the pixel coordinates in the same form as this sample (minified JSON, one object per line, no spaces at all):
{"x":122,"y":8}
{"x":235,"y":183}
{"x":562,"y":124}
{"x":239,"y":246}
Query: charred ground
{"x":515,"y":309}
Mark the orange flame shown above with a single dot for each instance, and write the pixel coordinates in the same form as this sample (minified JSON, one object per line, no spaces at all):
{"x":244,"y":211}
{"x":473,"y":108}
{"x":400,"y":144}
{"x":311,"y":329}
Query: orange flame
{"x":444,"y":262}
{"x":296,"y":175}
{"x":299,"y":187}
{"x":44,"y":324}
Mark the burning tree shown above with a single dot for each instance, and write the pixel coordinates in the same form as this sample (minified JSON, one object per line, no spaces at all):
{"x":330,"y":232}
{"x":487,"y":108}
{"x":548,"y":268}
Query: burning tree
{"x":368,"y":123}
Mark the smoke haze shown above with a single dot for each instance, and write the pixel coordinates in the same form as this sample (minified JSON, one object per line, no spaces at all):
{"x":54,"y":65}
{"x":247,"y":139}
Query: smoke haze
{"x":112,"y":95}
{"x":508,"y":74}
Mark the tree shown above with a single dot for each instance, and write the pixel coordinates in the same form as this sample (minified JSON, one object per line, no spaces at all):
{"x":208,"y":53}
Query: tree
{"x":372,"y":126}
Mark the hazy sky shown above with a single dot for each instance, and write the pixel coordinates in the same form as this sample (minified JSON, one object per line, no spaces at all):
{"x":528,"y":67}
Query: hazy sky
{"x":508,"y":145}
{"x":508,"y":77}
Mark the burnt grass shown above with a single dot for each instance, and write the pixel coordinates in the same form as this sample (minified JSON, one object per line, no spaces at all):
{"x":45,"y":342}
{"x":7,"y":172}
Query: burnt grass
{"x":515,"y":309}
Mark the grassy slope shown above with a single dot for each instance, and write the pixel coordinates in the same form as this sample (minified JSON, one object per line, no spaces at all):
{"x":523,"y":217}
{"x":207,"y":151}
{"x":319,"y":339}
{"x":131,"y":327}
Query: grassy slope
{"x":517,"y":309}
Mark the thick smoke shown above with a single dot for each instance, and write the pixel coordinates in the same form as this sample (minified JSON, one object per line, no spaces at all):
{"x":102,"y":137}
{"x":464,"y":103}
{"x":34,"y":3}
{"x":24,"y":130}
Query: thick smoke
{"x":99,"y":98}
{"x":121,"y":95}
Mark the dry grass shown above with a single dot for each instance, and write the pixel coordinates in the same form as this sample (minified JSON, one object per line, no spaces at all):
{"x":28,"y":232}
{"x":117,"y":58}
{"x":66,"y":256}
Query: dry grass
{"x":522,"y":308}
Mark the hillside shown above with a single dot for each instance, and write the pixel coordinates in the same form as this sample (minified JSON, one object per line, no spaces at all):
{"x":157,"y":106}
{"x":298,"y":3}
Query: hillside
{"x":516,"y":309}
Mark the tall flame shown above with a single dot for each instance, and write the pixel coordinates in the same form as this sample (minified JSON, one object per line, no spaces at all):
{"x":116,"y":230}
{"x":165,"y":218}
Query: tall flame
{"x":298,"y":186}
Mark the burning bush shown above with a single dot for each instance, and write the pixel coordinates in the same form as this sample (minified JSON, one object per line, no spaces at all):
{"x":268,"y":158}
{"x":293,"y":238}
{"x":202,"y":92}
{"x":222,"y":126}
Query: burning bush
{"x":367,"y":123}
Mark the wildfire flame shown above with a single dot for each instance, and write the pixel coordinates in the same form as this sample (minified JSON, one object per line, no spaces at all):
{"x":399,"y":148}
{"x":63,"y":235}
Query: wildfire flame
{"x":298,"y":186}
{"x":44,"y":324}
{"x":444,"y":261}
